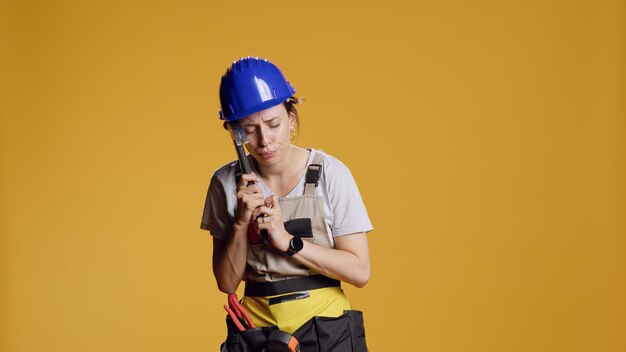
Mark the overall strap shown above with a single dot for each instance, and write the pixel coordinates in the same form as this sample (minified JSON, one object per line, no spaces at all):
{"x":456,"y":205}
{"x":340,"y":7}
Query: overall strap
{"x":314,"y":174}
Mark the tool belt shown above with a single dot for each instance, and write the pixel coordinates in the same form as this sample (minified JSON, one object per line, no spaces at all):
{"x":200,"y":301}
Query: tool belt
{"x":345,"y":333}
{"x":291,"y":285}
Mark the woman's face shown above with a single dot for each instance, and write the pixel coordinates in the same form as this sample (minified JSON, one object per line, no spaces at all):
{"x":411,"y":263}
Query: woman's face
{"x":268,"y":134}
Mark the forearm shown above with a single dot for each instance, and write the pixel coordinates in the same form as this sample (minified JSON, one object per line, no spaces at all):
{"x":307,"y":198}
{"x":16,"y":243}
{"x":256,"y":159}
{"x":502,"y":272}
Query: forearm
{"x":229,"y":261}
{"x":352,"y":267}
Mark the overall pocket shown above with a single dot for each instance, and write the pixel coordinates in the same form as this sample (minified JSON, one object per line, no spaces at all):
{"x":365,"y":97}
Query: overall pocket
{"x":250,"y":340}
{"x":342,"y":334}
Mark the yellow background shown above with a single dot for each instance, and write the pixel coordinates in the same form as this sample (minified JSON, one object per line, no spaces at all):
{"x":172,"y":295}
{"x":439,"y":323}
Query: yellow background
{"x":487,"y":138}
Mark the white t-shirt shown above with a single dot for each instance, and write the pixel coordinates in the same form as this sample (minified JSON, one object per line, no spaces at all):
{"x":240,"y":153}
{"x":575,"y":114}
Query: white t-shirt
{"x":344,"y":211}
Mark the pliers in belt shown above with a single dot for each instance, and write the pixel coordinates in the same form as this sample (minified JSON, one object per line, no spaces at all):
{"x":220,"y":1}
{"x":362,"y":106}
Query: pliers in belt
{"x":237,"y":313}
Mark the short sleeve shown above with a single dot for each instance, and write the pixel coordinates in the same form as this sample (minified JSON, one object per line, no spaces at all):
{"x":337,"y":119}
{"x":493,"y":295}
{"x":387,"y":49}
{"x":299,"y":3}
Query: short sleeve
{"x":215,"y":217}
{"x":349,"y":214}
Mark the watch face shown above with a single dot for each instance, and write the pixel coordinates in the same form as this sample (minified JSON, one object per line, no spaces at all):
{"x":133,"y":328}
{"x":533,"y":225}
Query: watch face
{"x":296,"y":244}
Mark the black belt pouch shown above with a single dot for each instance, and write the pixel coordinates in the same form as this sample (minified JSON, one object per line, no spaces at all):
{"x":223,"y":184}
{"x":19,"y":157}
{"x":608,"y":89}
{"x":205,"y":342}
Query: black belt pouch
{"x":250,"y":340}
{"x":345,"y":333}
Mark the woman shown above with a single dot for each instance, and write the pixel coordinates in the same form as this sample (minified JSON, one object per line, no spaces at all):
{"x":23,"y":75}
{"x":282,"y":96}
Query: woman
{"x":303,"y":201}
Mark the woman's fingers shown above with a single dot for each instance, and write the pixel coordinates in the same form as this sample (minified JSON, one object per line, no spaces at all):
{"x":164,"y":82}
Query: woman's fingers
{"x":250,"y":189}
{"x":246,"y":179}
{"x":261,"y":210}
{"x":269,"y":207}
{"x":267,"y":223}
{"x":252,"y":202}
{"x":249,"y":196}
{"x":272,"y":202}
{"x":275,"y":228}
{"x":261,"y":220}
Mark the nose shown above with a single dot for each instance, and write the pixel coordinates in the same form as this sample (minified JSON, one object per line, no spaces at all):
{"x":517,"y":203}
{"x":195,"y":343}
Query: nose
{"x":263,"y":136}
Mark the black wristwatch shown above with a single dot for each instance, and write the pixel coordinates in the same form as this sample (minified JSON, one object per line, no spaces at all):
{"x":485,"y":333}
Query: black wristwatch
{"x":295,"y":246}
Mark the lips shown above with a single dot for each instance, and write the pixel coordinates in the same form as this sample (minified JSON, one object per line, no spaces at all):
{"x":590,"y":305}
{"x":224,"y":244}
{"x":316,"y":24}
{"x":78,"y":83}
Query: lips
{"x":267,"y":155}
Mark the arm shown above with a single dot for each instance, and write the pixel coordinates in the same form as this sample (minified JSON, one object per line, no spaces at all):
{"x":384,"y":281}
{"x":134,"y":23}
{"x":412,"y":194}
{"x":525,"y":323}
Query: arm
{"x":229,"y":259}
{"x":229,"y":255}
{"x":349,"y":262}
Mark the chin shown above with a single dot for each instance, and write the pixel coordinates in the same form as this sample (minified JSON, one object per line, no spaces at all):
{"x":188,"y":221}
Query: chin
{"x":267,"y":162}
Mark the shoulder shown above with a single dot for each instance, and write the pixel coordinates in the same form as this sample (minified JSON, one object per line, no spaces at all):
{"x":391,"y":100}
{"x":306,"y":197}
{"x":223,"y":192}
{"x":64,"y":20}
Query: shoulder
{"x":335,"y":174}
{"x":226,"y":174}
{"x":332,"y":166}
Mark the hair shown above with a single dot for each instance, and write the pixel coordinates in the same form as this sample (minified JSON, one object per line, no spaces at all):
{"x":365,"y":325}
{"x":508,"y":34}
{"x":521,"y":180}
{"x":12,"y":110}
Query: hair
{"x":290,"y":106}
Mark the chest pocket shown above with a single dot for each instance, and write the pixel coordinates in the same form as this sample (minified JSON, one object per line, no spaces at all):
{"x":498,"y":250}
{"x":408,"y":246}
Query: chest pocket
{"x":299,"y":227}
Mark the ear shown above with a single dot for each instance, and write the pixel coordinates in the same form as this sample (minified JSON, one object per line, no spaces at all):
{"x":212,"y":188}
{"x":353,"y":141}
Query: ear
{"x":292,"y":121}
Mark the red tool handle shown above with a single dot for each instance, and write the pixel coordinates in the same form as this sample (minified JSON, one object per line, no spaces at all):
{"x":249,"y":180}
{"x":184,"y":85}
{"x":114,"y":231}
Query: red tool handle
{"x":233,"y":302}
{"x":234,"y":318}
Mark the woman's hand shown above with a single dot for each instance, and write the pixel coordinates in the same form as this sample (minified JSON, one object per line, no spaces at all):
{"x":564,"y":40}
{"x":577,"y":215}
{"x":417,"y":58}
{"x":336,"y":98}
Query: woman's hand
{"x":270,"y":218}
{"x":248,"y":198}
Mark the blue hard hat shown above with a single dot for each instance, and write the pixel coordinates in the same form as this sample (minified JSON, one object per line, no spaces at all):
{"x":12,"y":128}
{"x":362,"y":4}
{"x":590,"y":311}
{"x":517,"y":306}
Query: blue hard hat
{"x":251,"y":85}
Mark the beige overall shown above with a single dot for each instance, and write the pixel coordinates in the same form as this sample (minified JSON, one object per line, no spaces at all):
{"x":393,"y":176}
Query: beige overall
{"x":267,"y":264}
